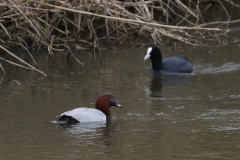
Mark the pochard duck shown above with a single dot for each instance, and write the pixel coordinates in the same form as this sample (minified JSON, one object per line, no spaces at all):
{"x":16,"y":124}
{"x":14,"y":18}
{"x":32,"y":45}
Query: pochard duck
{"x":101,"y":113}
{"x":178,"y":63}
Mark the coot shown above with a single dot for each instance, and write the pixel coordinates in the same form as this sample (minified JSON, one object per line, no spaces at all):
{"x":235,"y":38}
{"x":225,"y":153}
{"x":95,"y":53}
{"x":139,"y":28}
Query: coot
{"x":178,"y":63}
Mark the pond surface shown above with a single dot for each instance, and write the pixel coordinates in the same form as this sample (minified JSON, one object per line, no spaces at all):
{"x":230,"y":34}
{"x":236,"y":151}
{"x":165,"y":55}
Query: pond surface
{"x":172,"y":116}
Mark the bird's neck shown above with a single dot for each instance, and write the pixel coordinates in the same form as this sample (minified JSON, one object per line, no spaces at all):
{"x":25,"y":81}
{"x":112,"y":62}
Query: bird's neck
{"x":105,"y":110}
{"x":157,"y":64}
{"x":103,"y":106}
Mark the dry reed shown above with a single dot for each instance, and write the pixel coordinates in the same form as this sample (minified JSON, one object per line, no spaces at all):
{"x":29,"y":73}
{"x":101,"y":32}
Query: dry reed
{"x":90,"y":23}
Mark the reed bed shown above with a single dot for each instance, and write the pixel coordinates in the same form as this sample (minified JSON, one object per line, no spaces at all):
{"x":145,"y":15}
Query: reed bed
{"x":55,"y":24}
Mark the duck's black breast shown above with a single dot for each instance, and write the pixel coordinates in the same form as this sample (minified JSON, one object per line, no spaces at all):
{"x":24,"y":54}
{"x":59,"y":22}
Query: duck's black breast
{"x":178,"y":63}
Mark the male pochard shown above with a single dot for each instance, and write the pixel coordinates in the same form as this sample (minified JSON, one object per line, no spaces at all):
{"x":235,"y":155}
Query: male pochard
{"x":178,"y":63}
{"x":101,"y":113}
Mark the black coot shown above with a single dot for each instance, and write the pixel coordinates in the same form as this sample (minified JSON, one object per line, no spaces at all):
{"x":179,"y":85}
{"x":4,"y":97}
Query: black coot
{"x":178,"y":63}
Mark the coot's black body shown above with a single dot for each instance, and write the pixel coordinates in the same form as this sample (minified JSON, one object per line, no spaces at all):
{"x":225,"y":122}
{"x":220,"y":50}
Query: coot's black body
{"x":178,"y":63}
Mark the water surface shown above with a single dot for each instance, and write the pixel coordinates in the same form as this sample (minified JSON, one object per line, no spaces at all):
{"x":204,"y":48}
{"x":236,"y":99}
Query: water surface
{"x":170,"y":116}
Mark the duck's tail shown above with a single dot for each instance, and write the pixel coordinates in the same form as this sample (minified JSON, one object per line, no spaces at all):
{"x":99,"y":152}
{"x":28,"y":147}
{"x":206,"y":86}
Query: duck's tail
{"x":67,"y":120}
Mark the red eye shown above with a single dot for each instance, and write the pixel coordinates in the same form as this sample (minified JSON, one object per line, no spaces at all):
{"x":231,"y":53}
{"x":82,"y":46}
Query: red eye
{"x":111,"y":96}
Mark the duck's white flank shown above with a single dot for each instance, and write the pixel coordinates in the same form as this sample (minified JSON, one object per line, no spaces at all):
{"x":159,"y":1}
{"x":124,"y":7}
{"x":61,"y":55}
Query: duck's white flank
{"x":148,"y":53}
{"x":86,"y":115}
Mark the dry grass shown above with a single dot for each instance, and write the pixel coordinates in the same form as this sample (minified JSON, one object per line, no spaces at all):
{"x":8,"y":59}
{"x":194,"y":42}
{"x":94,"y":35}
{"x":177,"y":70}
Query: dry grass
{"x":54,"y":24}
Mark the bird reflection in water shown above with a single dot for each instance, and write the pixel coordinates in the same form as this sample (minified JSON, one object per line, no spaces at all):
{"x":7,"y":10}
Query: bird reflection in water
{"x":91,"y":133}
{"x":160,"y":80}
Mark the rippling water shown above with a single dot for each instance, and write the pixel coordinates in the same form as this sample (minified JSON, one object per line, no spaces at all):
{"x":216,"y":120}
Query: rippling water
{"x":169,"y":116}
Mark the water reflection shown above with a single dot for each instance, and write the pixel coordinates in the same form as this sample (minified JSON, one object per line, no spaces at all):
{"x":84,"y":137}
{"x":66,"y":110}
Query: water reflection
{"x":156,"y":85}
{"x":161,"y":80}
{"x":82,"y":128}
{"x":90,"y":133}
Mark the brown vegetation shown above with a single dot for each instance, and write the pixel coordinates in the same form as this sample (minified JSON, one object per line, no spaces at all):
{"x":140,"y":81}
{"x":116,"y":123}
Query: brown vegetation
{"x":54,"y":23}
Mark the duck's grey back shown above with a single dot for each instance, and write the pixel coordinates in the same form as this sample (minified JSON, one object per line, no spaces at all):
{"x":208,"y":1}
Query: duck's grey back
{"x":86,"y":115}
